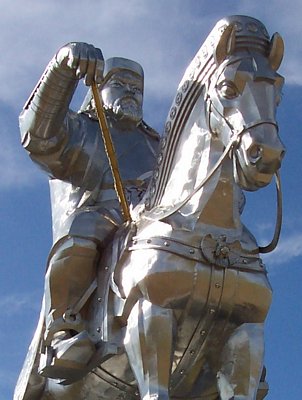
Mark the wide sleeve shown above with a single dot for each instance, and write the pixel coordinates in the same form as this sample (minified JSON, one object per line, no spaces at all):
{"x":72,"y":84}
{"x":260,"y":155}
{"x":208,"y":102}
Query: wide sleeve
{"x":63,"y":143}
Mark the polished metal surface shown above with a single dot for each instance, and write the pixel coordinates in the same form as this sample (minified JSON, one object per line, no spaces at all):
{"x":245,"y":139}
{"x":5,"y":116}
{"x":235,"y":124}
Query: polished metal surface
{"x":182,"y":293}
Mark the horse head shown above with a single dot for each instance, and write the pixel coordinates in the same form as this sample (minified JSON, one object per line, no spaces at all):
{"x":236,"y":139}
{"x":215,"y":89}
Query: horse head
{"x":242,"y":98}
{"x":230,"y":90}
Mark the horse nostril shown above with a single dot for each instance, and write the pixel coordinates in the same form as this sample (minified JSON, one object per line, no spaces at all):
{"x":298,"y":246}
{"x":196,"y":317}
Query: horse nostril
{"x":255,"y":153}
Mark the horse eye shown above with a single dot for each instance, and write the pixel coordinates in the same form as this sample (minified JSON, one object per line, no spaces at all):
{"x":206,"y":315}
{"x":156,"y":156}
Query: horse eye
{"x":228,"y":90}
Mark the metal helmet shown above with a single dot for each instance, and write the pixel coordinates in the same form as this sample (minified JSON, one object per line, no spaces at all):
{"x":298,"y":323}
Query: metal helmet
{"x":118,"y":63}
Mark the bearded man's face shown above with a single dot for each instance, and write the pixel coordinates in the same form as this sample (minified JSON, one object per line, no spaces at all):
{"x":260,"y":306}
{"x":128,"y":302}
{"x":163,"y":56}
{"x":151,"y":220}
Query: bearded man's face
{"x":123,"y":95}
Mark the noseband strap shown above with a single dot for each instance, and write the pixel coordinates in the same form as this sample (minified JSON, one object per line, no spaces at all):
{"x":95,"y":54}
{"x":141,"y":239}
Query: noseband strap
{"x":261,"y":122}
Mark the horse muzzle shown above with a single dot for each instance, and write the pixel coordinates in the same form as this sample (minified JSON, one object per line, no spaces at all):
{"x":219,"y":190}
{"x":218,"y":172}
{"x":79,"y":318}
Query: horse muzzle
{"x":258,"y":156}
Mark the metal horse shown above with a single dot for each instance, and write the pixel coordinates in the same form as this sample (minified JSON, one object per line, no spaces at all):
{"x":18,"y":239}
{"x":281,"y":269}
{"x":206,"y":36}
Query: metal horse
{"x":183,"y":293}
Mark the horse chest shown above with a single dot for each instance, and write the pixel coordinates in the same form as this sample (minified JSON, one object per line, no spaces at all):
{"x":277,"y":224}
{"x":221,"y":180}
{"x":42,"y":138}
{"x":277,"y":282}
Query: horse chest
{"x":198,"y":288}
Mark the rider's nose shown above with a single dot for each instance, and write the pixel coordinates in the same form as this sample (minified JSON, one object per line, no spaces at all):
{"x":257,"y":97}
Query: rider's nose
{"x":129,"y":88}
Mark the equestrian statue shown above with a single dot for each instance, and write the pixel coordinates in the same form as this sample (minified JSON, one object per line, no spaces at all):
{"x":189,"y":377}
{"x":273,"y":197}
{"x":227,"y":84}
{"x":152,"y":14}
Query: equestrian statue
{"x":154,"y":287}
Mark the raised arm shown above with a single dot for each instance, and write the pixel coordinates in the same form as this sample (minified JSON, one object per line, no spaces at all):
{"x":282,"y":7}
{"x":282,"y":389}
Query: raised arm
{"x":42,"y":119}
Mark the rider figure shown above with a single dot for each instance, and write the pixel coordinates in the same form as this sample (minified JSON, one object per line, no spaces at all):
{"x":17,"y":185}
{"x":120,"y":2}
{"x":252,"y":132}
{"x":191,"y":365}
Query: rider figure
{"x":85,"y":209}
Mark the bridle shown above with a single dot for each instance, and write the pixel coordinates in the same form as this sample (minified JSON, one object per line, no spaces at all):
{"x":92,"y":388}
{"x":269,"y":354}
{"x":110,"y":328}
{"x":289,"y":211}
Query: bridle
{"x":159,"y":213}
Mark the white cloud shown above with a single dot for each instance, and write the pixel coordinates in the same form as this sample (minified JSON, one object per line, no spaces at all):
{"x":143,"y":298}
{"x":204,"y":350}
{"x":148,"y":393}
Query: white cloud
{"x":162,"y":35}
{"x":17,"y":303}
{"x":16,"y":170}
{"x":289,"y":249}
{"x":136,"y":31}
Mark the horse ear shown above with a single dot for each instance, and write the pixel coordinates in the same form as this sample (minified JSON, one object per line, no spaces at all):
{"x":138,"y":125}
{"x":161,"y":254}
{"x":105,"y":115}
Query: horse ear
{"x":226,"y":44}
{"x":276,"y":51}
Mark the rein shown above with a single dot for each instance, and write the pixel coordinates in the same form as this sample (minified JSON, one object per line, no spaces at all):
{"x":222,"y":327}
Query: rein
{"x":273,"y":244}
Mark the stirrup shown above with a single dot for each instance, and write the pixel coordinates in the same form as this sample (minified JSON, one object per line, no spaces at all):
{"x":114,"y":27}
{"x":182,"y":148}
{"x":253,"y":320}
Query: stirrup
{"x":69,"y":322}
{"x":67,"y":359}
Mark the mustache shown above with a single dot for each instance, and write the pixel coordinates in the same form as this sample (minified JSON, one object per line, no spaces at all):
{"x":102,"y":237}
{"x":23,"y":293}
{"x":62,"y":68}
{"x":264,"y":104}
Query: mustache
{"x":127,"y":107}
{"x":127,"y":99}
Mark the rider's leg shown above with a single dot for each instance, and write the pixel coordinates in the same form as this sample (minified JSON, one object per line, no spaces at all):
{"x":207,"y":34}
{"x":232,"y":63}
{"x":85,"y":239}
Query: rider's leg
{"x":242,"y":363}
{"x":71,"y":271}
{"x":148,"y":343}
{"x":72,"y":266}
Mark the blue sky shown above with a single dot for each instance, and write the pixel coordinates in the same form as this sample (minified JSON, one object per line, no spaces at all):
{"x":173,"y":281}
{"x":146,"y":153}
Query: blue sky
{"x":163,"y":35}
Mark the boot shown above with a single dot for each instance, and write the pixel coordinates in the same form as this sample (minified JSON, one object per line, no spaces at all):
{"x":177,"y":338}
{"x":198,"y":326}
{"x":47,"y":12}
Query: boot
{"x":67,"y":357}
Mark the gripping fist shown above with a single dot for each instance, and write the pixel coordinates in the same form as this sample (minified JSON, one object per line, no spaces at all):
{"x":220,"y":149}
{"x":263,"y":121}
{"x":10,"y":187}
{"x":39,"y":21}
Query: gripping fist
{"x":83,"y":59}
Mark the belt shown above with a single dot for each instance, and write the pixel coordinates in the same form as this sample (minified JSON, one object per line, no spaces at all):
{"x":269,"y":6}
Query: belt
{"x":234,"y":260}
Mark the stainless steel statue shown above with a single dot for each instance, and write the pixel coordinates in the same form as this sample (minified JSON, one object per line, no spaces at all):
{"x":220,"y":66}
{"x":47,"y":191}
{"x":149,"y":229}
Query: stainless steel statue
{"x":182,"y":293}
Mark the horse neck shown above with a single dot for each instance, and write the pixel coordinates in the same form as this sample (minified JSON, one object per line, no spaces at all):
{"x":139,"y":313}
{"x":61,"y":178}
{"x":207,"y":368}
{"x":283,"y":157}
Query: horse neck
{"x":219,"y":205}
{"x":215,"y":207}
{"x":187,"y":162}
{"x":193,"y":158}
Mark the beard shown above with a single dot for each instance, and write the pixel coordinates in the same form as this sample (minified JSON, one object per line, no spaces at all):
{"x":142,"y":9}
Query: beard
{"x":127,"y":108}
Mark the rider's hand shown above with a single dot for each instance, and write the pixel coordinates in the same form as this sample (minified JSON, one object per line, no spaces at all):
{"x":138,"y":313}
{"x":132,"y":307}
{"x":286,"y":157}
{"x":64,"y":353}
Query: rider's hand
{"x":85,"y":60}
